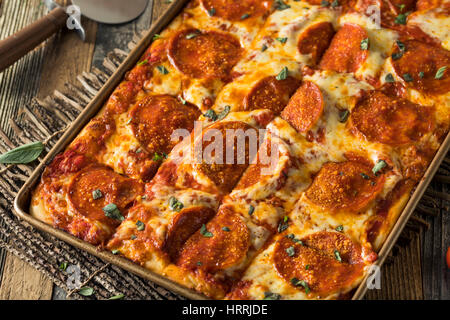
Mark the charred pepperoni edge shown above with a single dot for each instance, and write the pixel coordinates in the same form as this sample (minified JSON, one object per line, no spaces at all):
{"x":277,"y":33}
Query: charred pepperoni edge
{"x":181,"y":35}
{"x":215,"y":252}
{"x":323,"y":246}
{"x":183,"y":226}
{"x":362,"y":203}
{"x":236,"y":10}
{"x":271,"y":94}
{"x":315,"y":40}
{"x":296,"y":112}
{"x":344,"y":53}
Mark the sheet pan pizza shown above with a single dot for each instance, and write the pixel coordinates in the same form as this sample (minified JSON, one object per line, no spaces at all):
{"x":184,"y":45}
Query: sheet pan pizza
{"x":352,"y":96}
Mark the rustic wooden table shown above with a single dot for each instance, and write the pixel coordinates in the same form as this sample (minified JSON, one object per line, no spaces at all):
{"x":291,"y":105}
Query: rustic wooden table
{"x":418,"y":270}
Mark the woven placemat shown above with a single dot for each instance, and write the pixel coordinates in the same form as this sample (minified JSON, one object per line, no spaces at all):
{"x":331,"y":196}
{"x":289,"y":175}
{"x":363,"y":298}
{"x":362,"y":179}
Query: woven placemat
{"x":45,"y":120}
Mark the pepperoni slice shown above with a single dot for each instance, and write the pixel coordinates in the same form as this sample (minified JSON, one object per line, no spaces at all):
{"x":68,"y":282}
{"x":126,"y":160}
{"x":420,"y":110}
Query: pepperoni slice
{"x":204,"y":54}
{"x":316,"y":262}
{"x":270,"y":93}
{"x":392,"y":121}
{"x":305,"y":107}
{"x":315,"y":40}
{"x":155,"y":118}
{"x":227,"y":246}
{"x":214,"y":166}
{"x":183,"y":226}
{"x":344,"y":53}
{"x":348,"y":185}
{"x":419,"y":65}
{"x":235,"y":10}
{"x":114,"y":189}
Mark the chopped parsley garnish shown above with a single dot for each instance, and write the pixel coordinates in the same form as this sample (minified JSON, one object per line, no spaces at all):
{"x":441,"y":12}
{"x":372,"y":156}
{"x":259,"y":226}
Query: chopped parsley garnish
{"x":296,"y":282}
{"x":162,"y":69}
{"x":401,"y":18}
{"x":111,"y":211}
{"x":212,"y":12}
{"x":282,"y":40}
{"x":343,"y":115}
{"x":211,"y":114}
{"x":307,"y":267}
{"x":440,"y":73}
{"x":156,"y":36}
{"x":245,"y":16}
{"x":140,"y":226}
{"x":226,"y":229}
{"x":271,"y":296}
{"x":365,"y":176}
{"x":283,"y":74}
{"x":407,"y":77}
{"x":290,"y":251}
{"x":389,"y":78}
{"x":281,"y":5}
{"x":324,"y":3}
{"x":401,"y":45}
{"x":63,"y":266}
{"x":337,"y":255}
{"x":421,"y":74}
{"x":174,"y":204}
{"x":159,"y":157}
{"x":199,"y":263}
{"x":191,"y":35}
{"x":204,"y":232}
{"x":292,"y":237}
{"x":143,"y":62}
{"x":129,"y":121}
{"x":283,"y":225}
{"x":251,"y":209}
{"x":397,"y":55}
{"x":339,"y":228}
{"x":133,"y":237}
{"x":364,"y":44}
{"x":224,"y":112}
{"x":378,"y":166}
{"x":97,"y":194}
{"x":264,"y":47}
{"x":182,"y":100}
{"x":335,"y":4}
{"x":115,"y":252}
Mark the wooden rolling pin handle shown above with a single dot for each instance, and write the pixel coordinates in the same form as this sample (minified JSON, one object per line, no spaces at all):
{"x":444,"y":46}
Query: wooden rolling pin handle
{"x":19,"y":44}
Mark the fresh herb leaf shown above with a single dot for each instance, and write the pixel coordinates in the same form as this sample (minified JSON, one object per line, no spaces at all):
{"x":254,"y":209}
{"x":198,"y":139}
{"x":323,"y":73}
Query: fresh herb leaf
{"x":307,"y":267}
{"x":339,"y":228}
{"x":407,"y":77}
{"x":23,"y":154}
{"x":343,"y":115}
{"x":199,"y":263}
{"x":283,"y":225}
{"x":111,"y":211}
{"x":115,"y":252}
{"x":224,"y":112}
{"x":401,"y":18}
{"x":290,"y":251}
{"x":97,"y":194}
{"x":143,"y":62}
{"x":324,"y":3}
{"x":401,"y":45}
{"x":211,"y":114}
{"x":175,"y":205}
{"x":264,"y":47}
{"x":397,"y":55}
{"x":365,"y":176}
{"x":117,"y":297}
{"x":63,"y":266}
{"x":191,"y":35}
{"x":133,"y":237}
{"x":389,"y":78}
{"x":211,"y":12}
{"x":378,"y":166}
{"x":335,"y":4}
{"x":283,"y":74}
{"x":421,"y":74}
{"x":245,"y":16}
{"x":156,"y":36}
{"x":140,"y":226}
{"x":282,"y":40}
{"x":251,"y":209}
{"x":204,"y":232}
{"x":162,"y":69}
{"x":271,"y":296}
{"x":86,"y":291}
{"x":364,"y":44}
{"x":159,"y":157}
{"x":337,"y":255}
{"x":226,"y":229}
{"x":281,"y":5}
{"x":296,"y":282}
{"x":440,"y":73}
{"x":182,"y":100}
